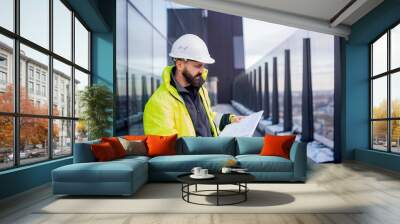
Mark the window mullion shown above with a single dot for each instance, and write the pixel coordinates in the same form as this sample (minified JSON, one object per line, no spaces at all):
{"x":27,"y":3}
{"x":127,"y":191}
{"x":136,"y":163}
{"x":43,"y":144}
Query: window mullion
{"x":389,"y":106}
{"x":16,"y":70}
{"x":389,"y":89}
{"x":89,"y":54}
{"x":50,"y":81}
{"x":73,"y":82}
{"x":371,"y":137}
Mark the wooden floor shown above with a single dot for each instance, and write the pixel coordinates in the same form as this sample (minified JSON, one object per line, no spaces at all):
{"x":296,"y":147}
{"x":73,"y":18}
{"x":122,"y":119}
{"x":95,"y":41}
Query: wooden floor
{"x":378,"y":188}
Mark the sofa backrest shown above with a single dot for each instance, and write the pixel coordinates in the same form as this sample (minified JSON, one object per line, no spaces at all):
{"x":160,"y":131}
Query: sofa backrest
{"x":83,"y":152}
{"x":297,"y":146}
{"x":249,"y":145}
{"x":206,"y":145}
{"x":192,"y":146}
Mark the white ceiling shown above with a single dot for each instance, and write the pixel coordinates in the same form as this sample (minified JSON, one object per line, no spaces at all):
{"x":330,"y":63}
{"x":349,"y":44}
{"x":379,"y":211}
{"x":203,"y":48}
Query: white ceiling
{"x":314,"y":15}
{"x":321,"y":9}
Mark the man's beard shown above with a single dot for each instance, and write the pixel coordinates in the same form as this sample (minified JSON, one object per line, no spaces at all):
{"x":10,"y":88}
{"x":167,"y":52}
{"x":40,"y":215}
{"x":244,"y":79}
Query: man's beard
{"x":196,"y":81}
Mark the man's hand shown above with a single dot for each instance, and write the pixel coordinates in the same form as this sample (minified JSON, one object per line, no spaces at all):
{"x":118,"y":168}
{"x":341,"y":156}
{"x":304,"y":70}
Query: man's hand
{"x":236,"y":119}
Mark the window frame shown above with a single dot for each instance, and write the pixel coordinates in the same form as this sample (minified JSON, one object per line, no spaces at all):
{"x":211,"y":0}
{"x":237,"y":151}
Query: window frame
{"x":16,"y":114}
{"x":388,"y":74}
{"x":3,"y":77}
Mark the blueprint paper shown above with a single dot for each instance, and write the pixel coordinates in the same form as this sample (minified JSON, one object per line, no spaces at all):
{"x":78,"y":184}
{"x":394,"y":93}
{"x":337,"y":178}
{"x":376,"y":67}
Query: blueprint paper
{"x":244,"y":128}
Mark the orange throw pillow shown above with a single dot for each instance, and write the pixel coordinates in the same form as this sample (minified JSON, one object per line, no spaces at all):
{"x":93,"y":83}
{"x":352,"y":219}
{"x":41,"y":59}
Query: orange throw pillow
{"x":161,"y":145}
{"x":116,"y":145}
{"x":103,"y":151}
{"x":135,"y":137}
{"x":277,"y":145}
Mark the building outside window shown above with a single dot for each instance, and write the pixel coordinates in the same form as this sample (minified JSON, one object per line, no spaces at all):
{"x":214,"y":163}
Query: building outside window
{"x":38,"y":89}
{"x":37,"y":75}
{"x":30,"y":72}
{"x":43,"y":77}
{"x":3,"y":61}
{"x":3,"y":78}
{"x":55,"y":96}
{"x":3,"y":72}
{"x":30,"y":87}
{"x":43,"y":90}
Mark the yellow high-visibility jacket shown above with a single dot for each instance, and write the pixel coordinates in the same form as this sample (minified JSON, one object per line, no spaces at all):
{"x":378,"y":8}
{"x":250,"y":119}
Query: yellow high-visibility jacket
{"x":166,"y":114}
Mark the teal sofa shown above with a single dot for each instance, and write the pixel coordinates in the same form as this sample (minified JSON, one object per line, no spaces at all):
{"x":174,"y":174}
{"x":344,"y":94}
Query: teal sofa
{"x":125,"y":176}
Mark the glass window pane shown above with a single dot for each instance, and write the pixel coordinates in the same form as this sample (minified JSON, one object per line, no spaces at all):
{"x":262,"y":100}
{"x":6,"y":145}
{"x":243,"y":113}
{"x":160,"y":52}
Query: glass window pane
{"x":81,"y":81}
{"x":121,"y":69}
{"x":395,"y":136}
{"x":62,"y":29}
{"x":395,"y":95}
{"x":6,"y":142}
{"x":62,"y":138}
{"x":140,"y":55}
{"x":145,"y":7}
{"x":159,"y":21}
{"x":145,"y":91}
{"x":34,"y":72}
{"x":62,"y":89}
{"x":81,"y":45}
{"x":395,"y":47}
{"x":140,"y":65}
{"x":33,"y":139}
{"x":7,"y":14}
{"x":135,"y":90}
{"x":6,"y":74}
{"x":379,"y":135}
{"x":81,"y":131}
{"x":35,"y":21}
{"x":160,"y":59}
{"x":379,"y":55}
{"x":379,"y":98}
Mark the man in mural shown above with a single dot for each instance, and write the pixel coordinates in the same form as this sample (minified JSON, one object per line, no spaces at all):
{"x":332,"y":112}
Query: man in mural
{"x":181,"y":104}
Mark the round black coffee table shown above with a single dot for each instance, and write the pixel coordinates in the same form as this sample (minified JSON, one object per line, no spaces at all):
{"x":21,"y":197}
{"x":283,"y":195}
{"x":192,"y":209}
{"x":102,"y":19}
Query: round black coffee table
{"x":238,"y":179}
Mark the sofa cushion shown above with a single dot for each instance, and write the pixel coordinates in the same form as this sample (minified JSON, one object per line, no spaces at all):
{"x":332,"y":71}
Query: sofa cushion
{"x":257,"y":163}
{"x":249,"y":145}
{"x":103,"y":152}
{"x":131,"y":158}
{"x":161,"y":145}
{"x":111,"y":171}
{"x":116,"y":145}
{"x":206,"y":145}
{"x":93,"y":172}
{"x":277,"y":145}
{"x":185,"y":163}
{"x":134,"y":147}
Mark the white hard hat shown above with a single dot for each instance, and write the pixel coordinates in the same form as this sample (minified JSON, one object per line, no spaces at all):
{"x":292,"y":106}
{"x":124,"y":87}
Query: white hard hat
{"x":190,"y":46}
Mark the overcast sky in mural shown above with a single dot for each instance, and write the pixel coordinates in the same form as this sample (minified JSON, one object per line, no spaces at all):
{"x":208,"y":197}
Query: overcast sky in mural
{"x":261,"y":37}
